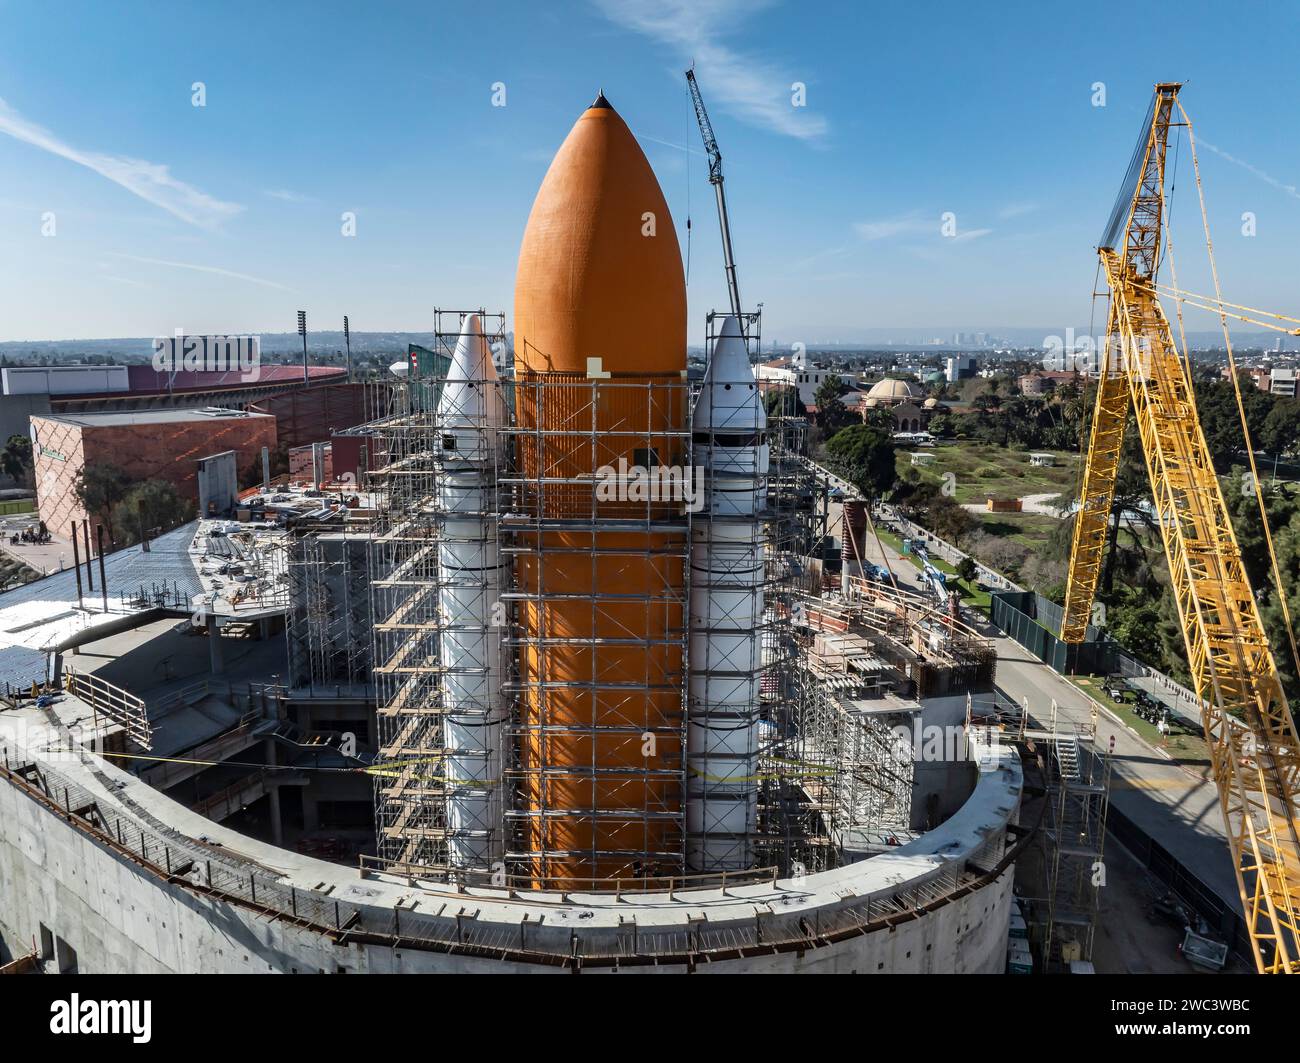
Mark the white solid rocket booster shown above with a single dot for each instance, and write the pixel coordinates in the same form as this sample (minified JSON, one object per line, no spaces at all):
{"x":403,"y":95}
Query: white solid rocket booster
{"x":726,"y":613}
{"x":470,"y":411}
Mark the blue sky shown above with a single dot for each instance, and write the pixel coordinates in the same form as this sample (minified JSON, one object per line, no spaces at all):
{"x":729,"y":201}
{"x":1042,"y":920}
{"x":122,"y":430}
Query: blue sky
{"x":227,"y":217}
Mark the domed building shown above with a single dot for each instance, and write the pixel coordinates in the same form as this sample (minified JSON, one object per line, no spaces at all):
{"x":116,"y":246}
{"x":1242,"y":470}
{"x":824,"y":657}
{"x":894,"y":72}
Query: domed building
{"x":890,"y":392}
{"x":906,"y":401}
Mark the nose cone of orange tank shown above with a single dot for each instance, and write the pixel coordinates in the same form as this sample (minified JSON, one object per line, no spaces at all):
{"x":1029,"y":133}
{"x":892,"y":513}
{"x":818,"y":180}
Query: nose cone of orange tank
{"x":600,"y":270}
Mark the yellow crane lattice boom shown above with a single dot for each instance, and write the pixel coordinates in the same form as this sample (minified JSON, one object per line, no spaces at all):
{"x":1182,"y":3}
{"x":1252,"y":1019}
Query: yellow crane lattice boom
{"x":1255,"y":754}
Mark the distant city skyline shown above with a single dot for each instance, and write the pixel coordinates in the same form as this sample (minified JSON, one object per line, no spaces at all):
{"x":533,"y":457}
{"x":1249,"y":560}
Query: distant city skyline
{"x":128,"y":210}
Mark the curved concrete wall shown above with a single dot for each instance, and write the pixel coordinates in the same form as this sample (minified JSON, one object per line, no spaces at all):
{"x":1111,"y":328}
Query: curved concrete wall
{"x":123,"y":914}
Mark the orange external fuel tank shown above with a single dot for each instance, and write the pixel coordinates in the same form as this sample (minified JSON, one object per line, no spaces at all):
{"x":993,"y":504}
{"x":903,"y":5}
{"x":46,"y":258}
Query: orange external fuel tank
{"x":600,"y":357}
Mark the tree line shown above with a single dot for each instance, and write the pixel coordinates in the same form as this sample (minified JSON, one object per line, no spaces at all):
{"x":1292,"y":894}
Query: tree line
{"x":1139,"y":608}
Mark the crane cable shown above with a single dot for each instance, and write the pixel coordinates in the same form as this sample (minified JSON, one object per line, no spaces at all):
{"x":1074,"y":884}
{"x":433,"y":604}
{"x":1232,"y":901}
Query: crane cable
{"x":1166,"y":289}
{"x":1168,"y":231}
{"x":1215,"y":306}
{"x":1241,"y":407}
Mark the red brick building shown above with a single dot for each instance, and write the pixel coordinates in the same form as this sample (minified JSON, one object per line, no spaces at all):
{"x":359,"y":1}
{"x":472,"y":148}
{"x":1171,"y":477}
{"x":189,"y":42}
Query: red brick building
{"x":149,"y":444}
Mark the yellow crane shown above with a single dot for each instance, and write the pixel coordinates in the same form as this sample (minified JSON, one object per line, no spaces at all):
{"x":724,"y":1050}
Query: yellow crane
{"x":1254,"y":750}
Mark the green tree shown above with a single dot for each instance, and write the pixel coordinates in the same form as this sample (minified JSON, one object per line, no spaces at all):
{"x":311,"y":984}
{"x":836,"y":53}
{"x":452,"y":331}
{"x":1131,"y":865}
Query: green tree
{"x":1132,"y":498}
{"x":879,"y":417}
{"x":16,"y":459}
{"x":831,"y":412}
{"x":966,"y":570}
{"x":989,"y":397}
{"x":943,"y":426}
{"x":783,"y":402}
{"x":152,"y":506}
{"x":100,"y":488}
{"x":1280,"y":432}
{"x":1134,"y":621}
{"x":1282,"y":503}
{"x":864,"y":455}
{"x":924,"y":502}
{"x":1216,"y":403}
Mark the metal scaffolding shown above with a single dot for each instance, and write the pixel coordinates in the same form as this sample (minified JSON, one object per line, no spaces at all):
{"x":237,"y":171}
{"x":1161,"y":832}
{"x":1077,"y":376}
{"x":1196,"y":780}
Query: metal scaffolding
{"x":792,"y":832}
{"x":596,"y":600}
{"x":413,"y":791}
{"x":590,"y":673}
{"x":1078,"y":798}
{"x":328,"y":619}
{"x":858,"y":752}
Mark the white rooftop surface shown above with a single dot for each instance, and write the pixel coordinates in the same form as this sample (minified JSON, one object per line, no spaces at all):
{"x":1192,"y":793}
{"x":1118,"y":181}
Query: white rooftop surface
{"x":39,"y":616}
{"x":257,"y":550}
{"x":257,"y":547}
{"x":161,"y":416}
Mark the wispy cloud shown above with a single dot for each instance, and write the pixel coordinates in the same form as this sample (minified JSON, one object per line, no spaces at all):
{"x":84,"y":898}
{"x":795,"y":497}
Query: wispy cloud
{"x":914,"y":223}
{"x":1016,"y":210}
{"x":820,"y":256}
{"x":284,"y":195}
{"x":748,"y":86}
{"x":203,"y":269}
{"x":150,"y":181}
{"x":669,"y":144}
{"x":1269,"y":179}
{"x":905,"y":225}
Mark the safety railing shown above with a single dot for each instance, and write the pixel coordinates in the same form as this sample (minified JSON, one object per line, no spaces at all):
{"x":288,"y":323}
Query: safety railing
{"x":189,"y":864}
{"x":120,"y":706}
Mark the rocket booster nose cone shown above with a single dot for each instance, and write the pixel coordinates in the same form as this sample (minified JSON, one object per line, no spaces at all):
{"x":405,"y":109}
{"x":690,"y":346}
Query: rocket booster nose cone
{"x":729,"y":362}
{"x":729,"y":397}
{"x":472,"y":359}
{"x":470,"y":398}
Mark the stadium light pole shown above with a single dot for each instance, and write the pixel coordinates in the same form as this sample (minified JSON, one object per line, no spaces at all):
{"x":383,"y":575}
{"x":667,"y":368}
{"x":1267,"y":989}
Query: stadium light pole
{"x":302,"y":331}
{"x":347,"y":339}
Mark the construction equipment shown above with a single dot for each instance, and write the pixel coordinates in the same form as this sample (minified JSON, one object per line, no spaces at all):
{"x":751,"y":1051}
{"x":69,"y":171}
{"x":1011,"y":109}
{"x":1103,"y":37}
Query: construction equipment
{"x":1255,"y":753}
{"x":715,"y":179}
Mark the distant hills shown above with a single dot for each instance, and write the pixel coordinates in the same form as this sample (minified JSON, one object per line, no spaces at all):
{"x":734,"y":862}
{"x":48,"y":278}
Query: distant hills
{"x":288,"y":344}
{"x":140,"y":348}
{"x":273,"y":345}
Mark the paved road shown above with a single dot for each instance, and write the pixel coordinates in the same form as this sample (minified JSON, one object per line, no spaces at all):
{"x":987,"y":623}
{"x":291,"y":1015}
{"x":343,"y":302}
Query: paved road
{"x":1177,"y":807}
{"x":1174,"y":698}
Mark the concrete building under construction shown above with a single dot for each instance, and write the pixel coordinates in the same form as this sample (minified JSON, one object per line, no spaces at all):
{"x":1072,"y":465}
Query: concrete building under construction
{"x":622,"y":719}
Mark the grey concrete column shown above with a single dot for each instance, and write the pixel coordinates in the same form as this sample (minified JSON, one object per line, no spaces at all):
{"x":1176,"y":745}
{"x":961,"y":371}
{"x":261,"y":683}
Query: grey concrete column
{"x":310,"y":816}
{"x":273,"y":792}
{"x":214,"y":646}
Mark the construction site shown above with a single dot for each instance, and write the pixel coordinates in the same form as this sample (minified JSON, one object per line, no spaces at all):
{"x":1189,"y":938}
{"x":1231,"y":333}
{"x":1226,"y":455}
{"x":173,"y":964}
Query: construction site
{"x":590,"y":666}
